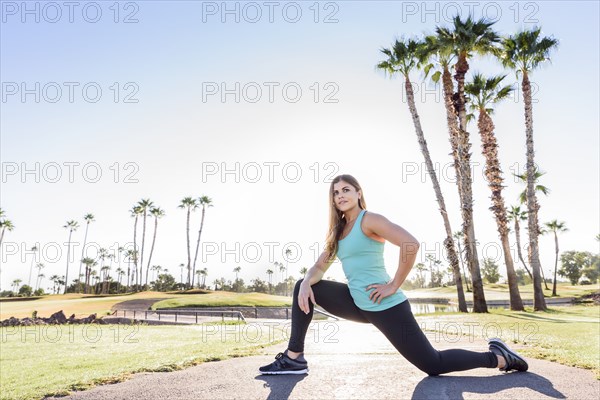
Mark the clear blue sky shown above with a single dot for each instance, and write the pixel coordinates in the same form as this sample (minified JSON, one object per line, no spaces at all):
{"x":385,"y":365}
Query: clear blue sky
{"x":160,"y":134}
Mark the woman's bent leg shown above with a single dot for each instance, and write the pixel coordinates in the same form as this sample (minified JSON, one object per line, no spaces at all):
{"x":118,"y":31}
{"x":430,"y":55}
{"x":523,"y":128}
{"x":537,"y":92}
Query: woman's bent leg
{"x":400,"y":327}
{"x":334,"y":297}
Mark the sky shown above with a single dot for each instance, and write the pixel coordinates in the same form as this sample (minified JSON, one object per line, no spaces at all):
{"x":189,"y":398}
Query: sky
{"x":258,"y":105}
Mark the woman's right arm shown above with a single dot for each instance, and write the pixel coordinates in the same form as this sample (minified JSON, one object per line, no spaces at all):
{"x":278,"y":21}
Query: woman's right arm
{"x":313,"y":275}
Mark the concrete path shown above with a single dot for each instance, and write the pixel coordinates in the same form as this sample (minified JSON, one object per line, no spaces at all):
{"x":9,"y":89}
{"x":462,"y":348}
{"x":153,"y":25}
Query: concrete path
{"x":353,"y":361}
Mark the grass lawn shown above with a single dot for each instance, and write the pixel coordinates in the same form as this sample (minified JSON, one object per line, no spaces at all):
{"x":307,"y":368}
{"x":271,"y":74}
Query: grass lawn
{"x":220,"y":299}
{"x":568,"y":335}
{"x":43,"y":360}
{"x":84,"y":305}
{"x":499,"y":291}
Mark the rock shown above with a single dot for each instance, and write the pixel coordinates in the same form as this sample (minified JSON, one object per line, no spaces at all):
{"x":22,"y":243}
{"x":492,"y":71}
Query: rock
{"x":59,"y":317}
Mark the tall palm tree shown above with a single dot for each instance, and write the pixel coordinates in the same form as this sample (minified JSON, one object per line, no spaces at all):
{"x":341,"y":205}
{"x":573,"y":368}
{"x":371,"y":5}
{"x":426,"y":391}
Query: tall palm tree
{"x":237,"y":271}
{"x":88,"y":218}
{"x":524,"y":52}
{"x":135,"y":212}
{"x":458,"y":235}
{"x":482,"y":93}
{"x":402,"y":58}
{"x":515,"y":214}
{"x":204,"y":273}
{"x":145,"y":205}
{"x":203,"y":201}
{"x":89,"y":264}
{"x":555,"y":227}
{"x":38,"y":281}
{"x":15,"y":285}
{"x":288,"y":253}
{"x":54,"y":279}
{"x":130,"y":255}
{"x":5,"y":225}
{"x":71,"y":226}
{"x":464,"y":39}
{"x":120,"y":274}
{"x":190,"y":205}
{"x":33,"y":250}
{"x":157,"y":213}
{"x":270,"y":273}
{"x":303,"y":270}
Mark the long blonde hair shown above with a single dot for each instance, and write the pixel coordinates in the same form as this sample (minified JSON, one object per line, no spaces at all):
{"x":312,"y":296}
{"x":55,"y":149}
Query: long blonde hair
{"x":337,"y":222}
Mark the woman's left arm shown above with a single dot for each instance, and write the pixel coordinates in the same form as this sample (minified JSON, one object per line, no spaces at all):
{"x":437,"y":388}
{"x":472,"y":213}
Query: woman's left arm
{"x":409,"y":247}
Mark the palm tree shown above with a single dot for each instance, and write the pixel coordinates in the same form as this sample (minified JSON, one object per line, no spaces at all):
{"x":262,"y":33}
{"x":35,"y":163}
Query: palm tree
{"x":89,"y":264}
{"x":402,"y":58}
{"x":135,"y":213}
{"x":303,"y":270}
{"x":204,"y":201}
{"x":157,"y":213}
{"x":538,"y":188}
{"x":524,"y":52}
{"x":464,"y":39}
{"x":515,"y":214}
{"x":88,"y":218}
{"x":270,"y":273}
{"x":237,"y":271}
{"x":288,"y":253}
{"x":130,"y":255}
{"x":38,"y":281}
{"x":33,"y":249}
{"x":556,"y":227}
{"x":523,"y":199}
{"x":145,"y":205}
{"x":5,"y":225}
{"x":120,"y":274}
{"x":190,"y":205}
{"x":71,"y":226}
{"x":458,"y":235}
{"x":15,"y":285}
{"x":482,"y":93}
{"x":54,"y":279}
{"x":204,"y":273}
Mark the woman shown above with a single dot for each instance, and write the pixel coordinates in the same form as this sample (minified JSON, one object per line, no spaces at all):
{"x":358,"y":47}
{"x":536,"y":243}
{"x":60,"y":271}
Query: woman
{"x":357,"y":238}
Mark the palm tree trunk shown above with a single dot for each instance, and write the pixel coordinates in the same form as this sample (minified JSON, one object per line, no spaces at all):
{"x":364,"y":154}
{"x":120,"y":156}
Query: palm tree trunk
{"x":539,"y":303}
{"x":448,"y":242}
{"x":465,"y":190}
{"x":68,"y":256}
{"x":135,"y":263}
{"x":493,"y":174}
{"x":142,"y":251}
{"x":198,"y":245}
{"x":519,"y":252}
{"x":189,"y":266}
{"x":152,"y":247}
{"x":83,"y":253}
{"x":555,"y":263}
{"x":2,"y":235}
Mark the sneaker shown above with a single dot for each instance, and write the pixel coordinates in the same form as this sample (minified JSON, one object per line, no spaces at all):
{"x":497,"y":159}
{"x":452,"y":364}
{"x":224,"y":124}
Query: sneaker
{"x":283,"y":364}
{"x":513,"y":360}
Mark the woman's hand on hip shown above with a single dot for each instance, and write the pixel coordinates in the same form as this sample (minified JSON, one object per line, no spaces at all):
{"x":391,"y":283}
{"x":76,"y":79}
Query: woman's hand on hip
{"x":304,"y":295}
{"x":381,"y":291}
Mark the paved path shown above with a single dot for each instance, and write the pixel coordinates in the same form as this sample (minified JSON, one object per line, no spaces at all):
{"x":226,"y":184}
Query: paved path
{"x":352,"y":361}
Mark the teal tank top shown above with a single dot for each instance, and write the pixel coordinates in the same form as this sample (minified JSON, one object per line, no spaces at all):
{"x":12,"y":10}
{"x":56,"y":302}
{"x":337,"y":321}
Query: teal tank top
{"x":363,"y":265}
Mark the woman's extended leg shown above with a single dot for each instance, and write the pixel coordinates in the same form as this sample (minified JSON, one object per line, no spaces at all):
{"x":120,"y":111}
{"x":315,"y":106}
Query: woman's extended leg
{"x":334,"y":297}
{"x":400,"y":327}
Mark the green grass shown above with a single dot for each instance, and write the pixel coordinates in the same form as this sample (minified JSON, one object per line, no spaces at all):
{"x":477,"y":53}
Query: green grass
{"x":500,"y":291}
{"x":567,"y":335}
{"x":83,"y":305}
{"x":50,"y":360}
{"x":225,"y":299}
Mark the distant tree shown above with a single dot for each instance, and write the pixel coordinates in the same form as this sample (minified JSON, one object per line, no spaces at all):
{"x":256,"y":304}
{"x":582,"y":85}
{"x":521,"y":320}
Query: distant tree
{"x":573,"y":263}
{"x":25,"y":290}
{"x":490,"y":271}
{"x":164,"y":283}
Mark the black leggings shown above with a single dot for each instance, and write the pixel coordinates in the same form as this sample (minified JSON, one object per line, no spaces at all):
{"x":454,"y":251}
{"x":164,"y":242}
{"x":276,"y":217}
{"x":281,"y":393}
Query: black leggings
{"x":397,"y":324}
